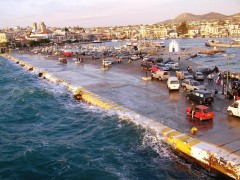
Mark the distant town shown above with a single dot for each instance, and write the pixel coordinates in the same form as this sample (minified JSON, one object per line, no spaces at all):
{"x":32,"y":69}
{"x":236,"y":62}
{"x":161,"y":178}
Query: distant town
{"x":29,"y":36}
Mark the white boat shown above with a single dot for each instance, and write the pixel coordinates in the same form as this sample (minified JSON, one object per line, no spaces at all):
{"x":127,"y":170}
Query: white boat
{"x":96,"y":41}
{"x":116,"y":40}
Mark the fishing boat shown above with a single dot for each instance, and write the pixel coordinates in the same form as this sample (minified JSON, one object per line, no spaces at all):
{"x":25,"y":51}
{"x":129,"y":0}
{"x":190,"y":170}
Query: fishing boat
{"x":216,"y":43}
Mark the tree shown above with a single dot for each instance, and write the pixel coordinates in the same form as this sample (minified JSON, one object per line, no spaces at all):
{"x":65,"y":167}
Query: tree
{"x":18,"y":45}
{"x":33,"y":43}
{"x":182,"y":29}
{"x":43,"y":40}
{"x":221,"y":22}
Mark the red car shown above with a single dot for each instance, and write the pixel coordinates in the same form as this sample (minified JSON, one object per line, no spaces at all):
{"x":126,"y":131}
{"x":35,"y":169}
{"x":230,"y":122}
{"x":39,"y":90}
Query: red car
{"x":201,"y":112}
{"x":155,"y":68}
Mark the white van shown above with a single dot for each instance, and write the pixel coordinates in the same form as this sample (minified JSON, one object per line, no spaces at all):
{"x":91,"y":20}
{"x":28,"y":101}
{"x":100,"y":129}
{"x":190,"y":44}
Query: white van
{"x":173,"y":83}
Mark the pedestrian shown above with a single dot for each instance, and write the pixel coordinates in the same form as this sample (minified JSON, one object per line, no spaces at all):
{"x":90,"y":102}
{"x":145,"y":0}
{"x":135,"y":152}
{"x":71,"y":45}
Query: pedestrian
{"x":193,"y":108}
{"x":129,"y":59}
{"x":235,"y":91}
{"x":215,"y":92}
{"x":216,"y":69}
{"x":218,"y":81}
{"x":178,"y":59}
{"x":210,"y":77}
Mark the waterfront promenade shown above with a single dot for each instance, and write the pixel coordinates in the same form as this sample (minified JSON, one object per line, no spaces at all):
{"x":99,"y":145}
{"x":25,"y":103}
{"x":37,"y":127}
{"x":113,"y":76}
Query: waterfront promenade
{"x":123,"y":85}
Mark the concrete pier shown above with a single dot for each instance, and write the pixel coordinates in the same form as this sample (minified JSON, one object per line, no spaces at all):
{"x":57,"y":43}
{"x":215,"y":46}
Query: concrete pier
{"x":216,"y":145}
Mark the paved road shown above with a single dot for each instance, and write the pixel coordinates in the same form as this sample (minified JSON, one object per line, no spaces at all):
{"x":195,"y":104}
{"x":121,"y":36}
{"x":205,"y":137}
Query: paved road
{"x":123,"y":84}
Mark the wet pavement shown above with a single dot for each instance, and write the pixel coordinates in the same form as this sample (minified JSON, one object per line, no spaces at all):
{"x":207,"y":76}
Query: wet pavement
{"x":123,"y":84}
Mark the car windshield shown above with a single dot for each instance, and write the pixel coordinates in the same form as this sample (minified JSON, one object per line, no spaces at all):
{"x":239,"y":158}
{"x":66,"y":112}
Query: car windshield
{"x":195,"y":83}
{"x":174,"y":82}
{"x":206,"y":110}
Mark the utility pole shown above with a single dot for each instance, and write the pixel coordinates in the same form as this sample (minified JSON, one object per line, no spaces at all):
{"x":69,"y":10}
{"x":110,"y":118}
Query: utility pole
{"x":227,"y":83}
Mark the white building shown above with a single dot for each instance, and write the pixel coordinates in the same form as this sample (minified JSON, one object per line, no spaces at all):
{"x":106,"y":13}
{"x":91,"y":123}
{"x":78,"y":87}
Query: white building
{"x":173,"y":46}
{"x":6,"y":37}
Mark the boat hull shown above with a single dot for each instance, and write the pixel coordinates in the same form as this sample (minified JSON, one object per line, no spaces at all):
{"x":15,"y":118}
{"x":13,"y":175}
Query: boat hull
{"x":224,"y":45}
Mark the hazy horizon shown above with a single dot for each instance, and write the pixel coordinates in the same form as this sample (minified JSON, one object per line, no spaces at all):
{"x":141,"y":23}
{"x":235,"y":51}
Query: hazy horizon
{"x":100,"y":13}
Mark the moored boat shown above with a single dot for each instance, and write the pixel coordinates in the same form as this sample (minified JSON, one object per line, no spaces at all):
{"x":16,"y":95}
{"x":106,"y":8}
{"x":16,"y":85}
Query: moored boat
{"x":159,"y":44}
{"x":211,"y":52}
{"x":215,"y":43}
{"x":96,"y":41}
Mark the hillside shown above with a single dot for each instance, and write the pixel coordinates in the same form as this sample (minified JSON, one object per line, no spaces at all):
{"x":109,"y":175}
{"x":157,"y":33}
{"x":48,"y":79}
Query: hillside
{"x":192,"y":17}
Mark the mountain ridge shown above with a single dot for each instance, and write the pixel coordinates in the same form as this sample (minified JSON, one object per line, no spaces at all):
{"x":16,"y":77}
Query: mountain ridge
{"x":193,"y":17}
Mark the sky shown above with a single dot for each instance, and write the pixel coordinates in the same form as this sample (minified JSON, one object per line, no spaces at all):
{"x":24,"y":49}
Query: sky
{"x":95,"y":13}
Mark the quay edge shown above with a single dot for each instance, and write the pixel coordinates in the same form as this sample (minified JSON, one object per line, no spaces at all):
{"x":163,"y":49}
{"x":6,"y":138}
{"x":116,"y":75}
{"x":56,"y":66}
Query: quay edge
{"x":209,"y":156}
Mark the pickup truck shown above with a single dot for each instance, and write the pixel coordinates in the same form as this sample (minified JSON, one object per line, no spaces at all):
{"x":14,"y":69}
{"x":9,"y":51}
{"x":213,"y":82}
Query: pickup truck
{"x":234,"y":109}
{"x":161,"y":75}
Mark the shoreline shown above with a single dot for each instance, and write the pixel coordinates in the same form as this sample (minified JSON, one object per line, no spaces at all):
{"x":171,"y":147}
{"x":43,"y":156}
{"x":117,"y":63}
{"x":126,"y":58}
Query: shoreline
{"x":211,"y":155}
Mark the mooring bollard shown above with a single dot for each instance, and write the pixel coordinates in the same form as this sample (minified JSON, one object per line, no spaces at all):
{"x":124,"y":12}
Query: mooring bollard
{"x":193,"y":130}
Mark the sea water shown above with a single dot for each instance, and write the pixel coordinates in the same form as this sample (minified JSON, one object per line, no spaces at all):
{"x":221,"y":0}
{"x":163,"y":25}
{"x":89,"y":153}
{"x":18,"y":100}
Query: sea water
{"x":46,"y":134}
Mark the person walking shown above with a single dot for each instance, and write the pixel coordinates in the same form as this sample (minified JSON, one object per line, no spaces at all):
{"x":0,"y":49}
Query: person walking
{"x":219,"y":78}
{"x":129,"y":59}
{"x":193,"y":109}
{"x":210,"y":77}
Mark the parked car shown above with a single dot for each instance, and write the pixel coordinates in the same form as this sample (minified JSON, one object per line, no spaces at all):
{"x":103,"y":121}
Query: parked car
{"x":123,"y":55}
{"x":155,"y":68}
{"x":173,"y":83}
{"x":205,"y":71}
{"x":201,"y":112}
{"x":149,"y":59}
{"x":164,"y":67}
{"x":135,"y":57}
{"x":96,"y":56}
{"x":159,"y":60}
{"x":189,"y":84}
{"x":198,"y":75}
{"x":107,"y":62}
{"x":161,"y":75}
{"x":183,"y":75}
{"x":234,"y":109}
{"x":172,"y":65}
{"x":146,"y":66}
{"x":201,"y":96}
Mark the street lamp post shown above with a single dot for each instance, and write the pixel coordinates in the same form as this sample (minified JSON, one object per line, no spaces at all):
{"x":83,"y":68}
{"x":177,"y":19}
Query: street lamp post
{"x":228,"y":60}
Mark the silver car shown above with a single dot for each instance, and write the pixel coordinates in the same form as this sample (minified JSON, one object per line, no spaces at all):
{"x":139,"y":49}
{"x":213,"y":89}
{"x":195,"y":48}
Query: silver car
{"x":189,"y":84}
{"x":198,"y":75}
